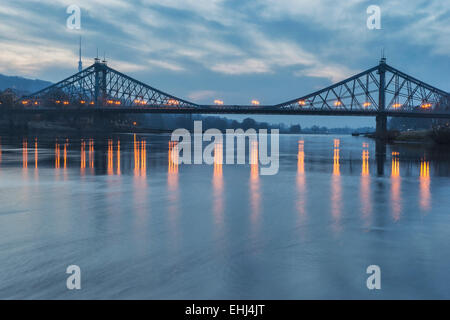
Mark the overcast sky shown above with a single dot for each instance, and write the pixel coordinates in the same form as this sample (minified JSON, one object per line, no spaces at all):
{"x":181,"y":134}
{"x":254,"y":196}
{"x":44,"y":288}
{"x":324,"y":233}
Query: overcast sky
{"x":235,"y":50}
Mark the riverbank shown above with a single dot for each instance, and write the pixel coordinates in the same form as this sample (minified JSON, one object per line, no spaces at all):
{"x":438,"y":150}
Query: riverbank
{"x":428,"y":137}
{"x":416,"y":136}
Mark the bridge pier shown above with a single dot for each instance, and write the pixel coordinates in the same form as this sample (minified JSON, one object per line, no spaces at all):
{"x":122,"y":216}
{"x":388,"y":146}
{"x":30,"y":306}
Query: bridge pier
{"x":381,"y":126}
{"x":380,"y":155}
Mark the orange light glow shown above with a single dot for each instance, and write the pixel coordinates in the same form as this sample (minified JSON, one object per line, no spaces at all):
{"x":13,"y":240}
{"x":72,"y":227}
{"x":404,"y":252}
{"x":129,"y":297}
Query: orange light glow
{"x":25,"y":102}
{"x":172,"y":181}
{"x":338,"y":103}
{"x":137,"y":156}
{"x":66,"y":102}
{"x":424,"y":169}
{"x":365,"y":160}
{"x":82,"y":102}
{"x":218,"y":102}
{"x":396,"y":187}
{"x":173,"y":157}
{"x":141,"y":102}
{"x":395,"y":168}
{"x":336,"y":189}
{"x":218,"y":159}
{"x":301,"y":157}
{"x":255,"y":194}
{"x":83,"y":155}
{"x":110,"y":164}
{"x":91,"y":103}
{"x":426,"y":106}
{"x":301,"y":182}
{"x":255,"y":102}
{"x":65,"y":155}
{"x":57,"y":155}
{"x":366,"y":104}
{"x":396,"y":105}
{"x":25,"y":154}
{"x":35,"y":154}
{"x":118,"y":158}
{"x":173,"y":102}
{"x":302,"y":102}
{"x":140,"y":157}
{"x":36,"y":103}
{"x":254,"y":166}
{"x":57,"y":101}
{"x":218,"y":186}
{"x":143,"y":158}
{"x":425,"y":194}
{"x":91,"y":153}
{"x":365,"y":194}
{"x":336,"y":164}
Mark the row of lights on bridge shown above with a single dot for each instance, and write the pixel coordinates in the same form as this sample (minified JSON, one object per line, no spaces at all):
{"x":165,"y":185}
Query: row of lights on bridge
{"x":170,"y":102}
{"x":220,"y":102}
{"x":424,"y":105}
{"x":338,"y":103}
{"x":174,"y":102}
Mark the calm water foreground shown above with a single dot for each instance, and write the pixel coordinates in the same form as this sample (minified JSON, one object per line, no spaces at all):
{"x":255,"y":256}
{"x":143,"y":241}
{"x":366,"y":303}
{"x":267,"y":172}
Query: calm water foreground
{"x":139,"y":226}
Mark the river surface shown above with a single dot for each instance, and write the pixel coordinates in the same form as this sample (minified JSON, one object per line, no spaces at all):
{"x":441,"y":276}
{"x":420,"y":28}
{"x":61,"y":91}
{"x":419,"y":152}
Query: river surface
{"x":140,"y":226}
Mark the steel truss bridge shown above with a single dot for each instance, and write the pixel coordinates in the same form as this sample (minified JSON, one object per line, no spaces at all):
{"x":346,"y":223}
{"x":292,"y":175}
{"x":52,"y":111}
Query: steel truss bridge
{"x":381,"y":91}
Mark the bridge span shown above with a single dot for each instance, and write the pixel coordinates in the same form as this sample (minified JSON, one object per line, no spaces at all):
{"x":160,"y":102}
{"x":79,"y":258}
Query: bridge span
{"x":381,"y":91}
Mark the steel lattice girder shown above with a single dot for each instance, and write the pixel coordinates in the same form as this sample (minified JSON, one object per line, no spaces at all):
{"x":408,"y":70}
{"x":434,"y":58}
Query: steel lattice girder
{"x":101,"y":85}
{"x":405,"y":93}
{"x":361,"y":93}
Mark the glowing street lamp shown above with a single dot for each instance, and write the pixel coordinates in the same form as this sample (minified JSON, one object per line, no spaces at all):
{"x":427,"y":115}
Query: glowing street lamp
{"x":173,"y":102}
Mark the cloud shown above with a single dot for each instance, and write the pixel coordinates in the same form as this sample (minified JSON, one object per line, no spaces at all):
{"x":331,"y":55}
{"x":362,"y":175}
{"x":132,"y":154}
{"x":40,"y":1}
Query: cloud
{"x":425,"y":24}
{"x":212,"y":46}
{"x":321,"y":39}
{"x":165,"y":65}
{"x":335,"y":73}
{"x":15,"y":58}
{"x":248,"y":66}
{"x":203,"y":95}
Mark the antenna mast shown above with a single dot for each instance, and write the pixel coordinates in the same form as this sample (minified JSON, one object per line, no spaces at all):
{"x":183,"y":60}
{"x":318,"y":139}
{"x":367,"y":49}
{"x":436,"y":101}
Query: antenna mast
{"x":80,"y":64}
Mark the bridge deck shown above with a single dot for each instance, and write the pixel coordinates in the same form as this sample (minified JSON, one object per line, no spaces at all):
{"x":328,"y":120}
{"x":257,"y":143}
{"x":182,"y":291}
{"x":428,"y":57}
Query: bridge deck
{"x":232,"y":109}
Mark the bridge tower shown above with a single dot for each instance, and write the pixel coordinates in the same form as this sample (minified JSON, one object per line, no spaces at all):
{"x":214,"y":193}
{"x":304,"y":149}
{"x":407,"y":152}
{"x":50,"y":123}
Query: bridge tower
{"x":100,"y":82}
{"x":381,"y":118}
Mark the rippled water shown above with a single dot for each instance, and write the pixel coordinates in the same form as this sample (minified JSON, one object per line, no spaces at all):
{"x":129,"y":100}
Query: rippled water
{"x":140,"y":226}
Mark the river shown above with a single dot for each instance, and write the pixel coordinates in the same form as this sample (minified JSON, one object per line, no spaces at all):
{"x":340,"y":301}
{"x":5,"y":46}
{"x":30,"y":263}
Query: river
{"x":140,"y":226}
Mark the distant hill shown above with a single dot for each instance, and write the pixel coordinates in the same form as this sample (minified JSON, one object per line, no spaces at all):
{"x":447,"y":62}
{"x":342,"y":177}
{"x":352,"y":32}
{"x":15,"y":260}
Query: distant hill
{"x":22,"y":85}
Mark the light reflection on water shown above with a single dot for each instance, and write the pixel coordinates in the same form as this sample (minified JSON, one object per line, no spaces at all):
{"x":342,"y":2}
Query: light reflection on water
{"x":218,"y":187}
{"x":336,"y":189}
{"x":301,"y":183}
{"x":425,"y":195}
{"x":365,"y":189}
{"x":396,"y":187}
{"x":124,"y":203}
{"x":254,"y":184}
